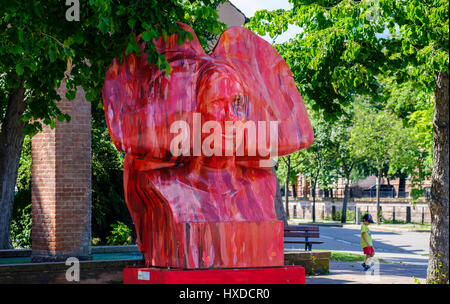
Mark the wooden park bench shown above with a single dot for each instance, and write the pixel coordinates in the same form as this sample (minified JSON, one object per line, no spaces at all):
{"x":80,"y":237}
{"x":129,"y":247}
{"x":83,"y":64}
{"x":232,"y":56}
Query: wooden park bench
{"x":307,"y":232}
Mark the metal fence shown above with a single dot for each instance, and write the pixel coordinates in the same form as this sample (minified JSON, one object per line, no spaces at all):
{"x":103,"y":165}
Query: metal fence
{"x":390,"y":212}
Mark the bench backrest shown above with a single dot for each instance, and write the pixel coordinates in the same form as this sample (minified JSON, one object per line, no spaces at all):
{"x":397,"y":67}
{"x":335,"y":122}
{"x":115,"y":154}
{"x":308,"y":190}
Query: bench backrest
{"x":302,"y":231}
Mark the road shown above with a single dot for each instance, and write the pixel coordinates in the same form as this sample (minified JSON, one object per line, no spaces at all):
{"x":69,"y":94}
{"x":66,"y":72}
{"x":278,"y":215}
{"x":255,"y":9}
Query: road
{"x":385,"y":273}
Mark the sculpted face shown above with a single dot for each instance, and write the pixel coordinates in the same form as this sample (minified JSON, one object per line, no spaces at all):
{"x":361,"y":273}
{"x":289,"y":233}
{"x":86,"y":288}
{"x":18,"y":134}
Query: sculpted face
{"x":219,"y":94}
{"x":221,"y":99}
{"x":193,"y":210}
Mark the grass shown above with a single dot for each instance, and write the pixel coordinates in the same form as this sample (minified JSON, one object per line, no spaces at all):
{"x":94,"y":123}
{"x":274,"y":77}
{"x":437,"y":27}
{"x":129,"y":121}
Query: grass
{"x":346,"y":256}
{"x":410,"y":226}
{"x":385,"y":221}
{"x":343,"y":256}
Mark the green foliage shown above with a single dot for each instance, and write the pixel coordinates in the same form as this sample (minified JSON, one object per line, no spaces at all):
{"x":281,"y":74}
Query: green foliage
{"x":120,"y":235}
{"x":345,"y":45}
{"x":108,"y":203}
{"x":380,"y":139}
{"x":38,"y":45}
{"x":350,"y":257}
{"x":413,"y":104}
{"x":347,"y":48}
{"x":317,"y":162}
{"x":345,"y":160}
{"x":23,"y":183}
{"x":20,"y":229}
{"x":439,"y":277}
{"x":337,"y":216}
{"x":20,"y":225}
{"x":416,"y":280}
{"x":346,"y":256}
{"x":386,"y":50}
{"x":282,"y":169}
{"x":95,"y":241}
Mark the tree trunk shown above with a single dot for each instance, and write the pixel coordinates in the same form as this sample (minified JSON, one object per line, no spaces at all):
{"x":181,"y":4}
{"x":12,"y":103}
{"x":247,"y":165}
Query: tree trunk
{"x":279,"y":210}
{"x":314,"y":206}
{"x":286,"y":187}
{"x":11,"y":141}
{"x":439,"y":257}
{"x":294,"y":190}
{"x":378,"y":197}
{"x":344,"y":204}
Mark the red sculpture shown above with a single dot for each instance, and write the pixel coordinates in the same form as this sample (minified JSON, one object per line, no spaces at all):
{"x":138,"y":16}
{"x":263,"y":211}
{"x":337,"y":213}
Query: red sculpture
{"x":193,"y":210}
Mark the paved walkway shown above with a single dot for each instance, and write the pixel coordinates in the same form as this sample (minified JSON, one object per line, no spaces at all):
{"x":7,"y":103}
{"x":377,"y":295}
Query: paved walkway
{"x":399,"y":246}
{"x":388,"y":273}
{"x":406,"y":254}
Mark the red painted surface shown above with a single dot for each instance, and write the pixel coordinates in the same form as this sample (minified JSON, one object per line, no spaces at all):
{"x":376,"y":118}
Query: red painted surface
{"x":268,"y":275}
{"x":204,"y":211}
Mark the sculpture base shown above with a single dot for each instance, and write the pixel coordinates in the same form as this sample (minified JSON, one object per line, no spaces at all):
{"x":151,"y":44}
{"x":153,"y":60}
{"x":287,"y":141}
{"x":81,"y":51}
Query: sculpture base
{"x":263,"y":275}
{"x":212,"y":245}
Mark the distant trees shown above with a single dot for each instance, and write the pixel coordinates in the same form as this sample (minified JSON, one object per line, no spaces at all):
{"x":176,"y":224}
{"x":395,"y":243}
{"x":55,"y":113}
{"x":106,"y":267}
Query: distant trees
{"x":345,"y":159}
{"x":40,"y":48}
{"x":316,"y":162}
{"x":380,"y":139}
{"x":287,"y":170}
{"x":413,"y":104}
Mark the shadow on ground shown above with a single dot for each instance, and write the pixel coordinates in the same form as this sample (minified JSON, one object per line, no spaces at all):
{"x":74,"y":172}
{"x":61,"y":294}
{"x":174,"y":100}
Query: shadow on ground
{"x":352,"y":273}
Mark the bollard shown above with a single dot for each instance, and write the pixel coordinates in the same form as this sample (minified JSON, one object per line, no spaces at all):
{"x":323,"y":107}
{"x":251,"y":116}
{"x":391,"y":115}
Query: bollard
{"x":333,"y":212}
{"x":408,"y":214}
{"x":295,"y":211}
{"x":358,"y":216}
{"x":423,"y":215}
{"x":393,"y":215}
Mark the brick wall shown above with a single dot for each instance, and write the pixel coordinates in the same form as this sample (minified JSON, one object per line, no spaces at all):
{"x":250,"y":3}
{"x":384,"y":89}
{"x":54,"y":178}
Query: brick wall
{"x":61,"y":184}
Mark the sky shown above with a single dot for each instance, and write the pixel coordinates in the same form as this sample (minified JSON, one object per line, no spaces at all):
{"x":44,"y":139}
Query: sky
{"x":249,"y":7}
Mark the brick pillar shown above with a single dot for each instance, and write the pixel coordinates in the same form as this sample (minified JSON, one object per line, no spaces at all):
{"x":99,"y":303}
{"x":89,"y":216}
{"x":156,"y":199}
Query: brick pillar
{"x":61,"y":184}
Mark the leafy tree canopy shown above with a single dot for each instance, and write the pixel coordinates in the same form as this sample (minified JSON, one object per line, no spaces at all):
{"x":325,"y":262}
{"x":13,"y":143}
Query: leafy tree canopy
{"x":380,"y":139}
{"x":38,"y":46}
{"x":344,"y":45}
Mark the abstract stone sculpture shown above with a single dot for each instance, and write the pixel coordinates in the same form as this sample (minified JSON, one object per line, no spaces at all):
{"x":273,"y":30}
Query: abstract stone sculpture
{"x":193,"y":210}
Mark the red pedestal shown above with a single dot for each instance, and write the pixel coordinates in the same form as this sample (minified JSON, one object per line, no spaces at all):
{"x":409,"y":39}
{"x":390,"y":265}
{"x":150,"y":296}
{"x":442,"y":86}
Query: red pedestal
{"x":263,"y":275}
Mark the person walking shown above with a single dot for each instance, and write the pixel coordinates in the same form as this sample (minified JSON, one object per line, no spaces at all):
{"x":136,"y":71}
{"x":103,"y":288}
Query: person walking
{"x":366,"y":241}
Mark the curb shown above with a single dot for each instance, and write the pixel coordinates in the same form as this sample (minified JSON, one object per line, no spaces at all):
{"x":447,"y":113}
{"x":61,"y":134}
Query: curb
{"x":394,"y":229}
{"x":318,"y":224}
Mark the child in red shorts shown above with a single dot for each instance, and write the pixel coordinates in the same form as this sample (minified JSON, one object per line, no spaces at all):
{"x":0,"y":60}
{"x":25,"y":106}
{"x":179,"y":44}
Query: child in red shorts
{"x":366,"y":241}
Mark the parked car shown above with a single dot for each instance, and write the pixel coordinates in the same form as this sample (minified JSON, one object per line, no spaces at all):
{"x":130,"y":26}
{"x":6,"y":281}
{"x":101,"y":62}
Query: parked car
{"x":385,"y":191}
